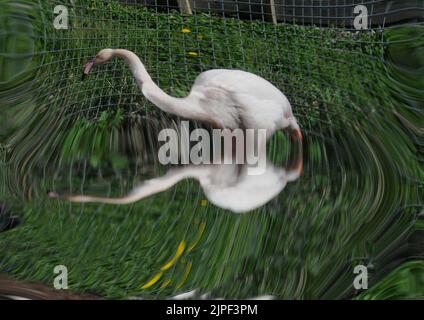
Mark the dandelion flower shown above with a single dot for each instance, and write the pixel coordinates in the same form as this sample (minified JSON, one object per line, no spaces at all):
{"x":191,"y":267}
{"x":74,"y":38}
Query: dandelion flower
{"x":192,"y":53}
{"x":185,"y":30}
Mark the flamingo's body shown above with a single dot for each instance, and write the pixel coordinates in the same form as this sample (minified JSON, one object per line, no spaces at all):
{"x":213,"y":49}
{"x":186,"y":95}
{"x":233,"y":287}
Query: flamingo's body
{"x":238,"y":99}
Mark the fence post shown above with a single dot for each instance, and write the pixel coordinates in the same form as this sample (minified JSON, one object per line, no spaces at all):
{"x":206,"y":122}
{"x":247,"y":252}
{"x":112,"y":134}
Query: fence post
{"x":273,"y":11}
{"x":185,"y":6}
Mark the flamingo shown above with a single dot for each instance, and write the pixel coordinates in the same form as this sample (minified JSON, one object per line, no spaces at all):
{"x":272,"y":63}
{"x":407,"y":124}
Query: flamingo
{"x":222,"y":97}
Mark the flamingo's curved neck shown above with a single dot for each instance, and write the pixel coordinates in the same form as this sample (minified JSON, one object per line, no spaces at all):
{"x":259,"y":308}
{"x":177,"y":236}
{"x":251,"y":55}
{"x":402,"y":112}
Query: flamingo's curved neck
{"x":135,"y":64}
{"x":184,"y":107}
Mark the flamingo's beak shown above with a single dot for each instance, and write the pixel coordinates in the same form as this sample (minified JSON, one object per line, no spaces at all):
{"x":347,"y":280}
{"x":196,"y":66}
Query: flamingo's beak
{"x":88,"y":67}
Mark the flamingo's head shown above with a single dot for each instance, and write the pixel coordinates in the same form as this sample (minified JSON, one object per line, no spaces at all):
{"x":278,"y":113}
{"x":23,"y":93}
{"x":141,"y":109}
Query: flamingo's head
{"x":103,"y":56}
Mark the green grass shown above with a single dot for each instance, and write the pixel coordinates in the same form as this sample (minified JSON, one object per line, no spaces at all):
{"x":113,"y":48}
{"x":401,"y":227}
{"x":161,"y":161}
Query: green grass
{"x":352,"y":206}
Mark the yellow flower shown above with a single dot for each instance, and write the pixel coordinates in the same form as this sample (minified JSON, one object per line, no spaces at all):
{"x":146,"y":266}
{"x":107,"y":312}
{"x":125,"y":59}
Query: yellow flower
{"x":185,"y":30}
{"x":192,"y":53}
{"x":153,"y":281}
{"x":178,"y":254}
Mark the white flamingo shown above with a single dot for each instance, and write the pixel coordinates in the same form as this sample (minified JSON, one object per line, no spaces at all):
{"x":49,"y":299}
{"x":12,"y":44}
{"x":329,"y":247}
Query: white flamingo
{"x":224,"y":98}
